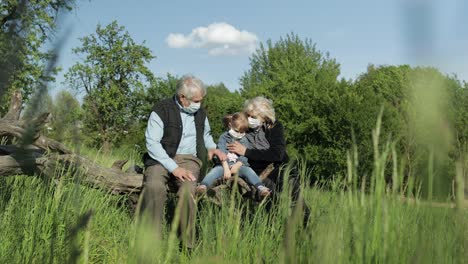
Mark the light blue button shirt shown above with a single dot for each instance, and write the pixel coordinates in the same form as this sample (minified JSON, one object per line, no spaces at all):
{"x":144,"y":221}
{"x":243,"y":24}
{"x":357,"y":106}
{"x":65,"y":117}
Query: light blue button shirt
{"x":188,"y":145}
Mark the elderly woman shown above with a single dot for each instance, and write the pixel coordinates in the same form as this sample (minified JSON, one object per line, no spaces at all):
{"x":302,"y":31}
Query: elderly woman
{"x":266,"y":135}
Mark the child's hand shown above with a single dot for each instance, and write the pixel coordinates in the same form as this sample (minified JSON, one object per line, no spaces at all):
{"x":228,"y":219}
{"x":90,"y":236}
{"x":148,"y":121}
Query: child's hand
{"x":227,"y":174}
{"x":235,"y":167}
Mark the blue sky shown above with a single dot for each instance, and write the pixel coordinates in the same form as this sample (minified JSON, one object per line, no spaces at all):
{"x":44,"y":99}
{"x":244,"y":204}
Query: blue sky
{"x":214,"y":39}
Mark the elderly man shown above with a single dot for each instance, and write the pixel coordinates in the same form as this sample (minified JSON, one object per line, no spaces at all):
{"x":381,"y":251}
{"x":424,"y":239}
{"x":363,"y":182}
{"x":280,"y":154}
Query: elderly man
{"x":177,"y":138}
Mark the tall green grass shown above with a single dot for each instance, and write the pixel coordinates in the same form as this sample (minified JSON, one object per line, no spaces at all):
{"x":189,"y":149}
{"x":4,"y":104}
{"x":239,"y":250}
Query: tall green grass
{"x":38,"y":216}
{"x":367,"y":221}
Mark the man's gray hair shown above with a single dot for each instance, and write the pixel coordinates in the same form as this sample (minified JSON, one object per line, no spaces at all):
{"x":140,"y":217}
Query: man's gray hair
{"x":261,"y":106}
{"x":188,"y":85}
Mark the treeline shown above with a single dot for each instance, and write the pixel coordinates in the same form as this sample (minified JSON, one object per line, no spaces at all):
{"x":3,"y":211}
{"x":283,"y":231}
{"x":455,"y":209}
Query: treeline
{"x":324,"y":115}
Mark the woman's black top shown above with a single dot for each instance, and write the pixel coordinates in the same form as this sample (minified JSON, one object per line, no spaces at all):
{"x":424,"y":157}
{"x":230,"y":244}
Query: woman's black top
{"x":259,"y":159}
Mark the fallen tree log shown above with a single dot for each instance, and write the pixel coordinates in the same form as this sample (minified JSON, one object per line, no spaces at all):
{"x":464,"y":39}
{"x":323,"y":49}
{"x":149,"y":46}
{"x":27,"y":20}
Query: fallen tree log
{"x":36,"y":154}
{"x":88,"y":172}
{"x":91,"y":173}
{"x":85,"y":170}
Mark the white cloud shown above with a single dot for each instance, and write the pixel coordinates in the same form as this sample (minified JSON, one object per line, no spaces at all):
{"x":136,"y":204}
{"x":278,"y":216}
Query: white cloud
{"x":177,"y":41}
{"x":219,"y":38}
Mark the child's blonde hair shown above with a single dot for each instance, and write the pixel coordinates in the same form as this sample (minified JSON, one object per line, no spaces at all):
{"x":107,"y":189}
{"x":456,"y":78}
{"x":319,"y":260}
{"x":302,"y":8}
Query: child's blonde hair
{"x":237,"y":121}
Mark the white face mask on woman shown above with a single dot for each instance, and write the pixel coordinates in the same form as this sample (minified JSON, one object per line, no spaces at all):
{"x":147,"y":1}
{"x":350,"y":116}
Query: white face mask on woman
{"x":235,"y":134}
{"x":254,"y":123}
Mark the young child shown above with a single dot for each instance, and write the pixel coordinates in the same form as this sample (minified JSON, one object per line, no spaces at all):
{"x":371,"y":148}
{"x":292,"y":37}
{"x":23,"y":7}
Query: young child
{"x":237,"y":124}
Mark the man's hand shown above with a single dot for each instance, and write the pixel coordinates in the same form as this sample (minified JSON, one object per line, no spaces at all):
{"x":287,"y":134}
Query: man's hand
{"x":237,"y":148}
{"x":183,"y":174}
{"x":221,"y":155}
{"x":235,"y":168}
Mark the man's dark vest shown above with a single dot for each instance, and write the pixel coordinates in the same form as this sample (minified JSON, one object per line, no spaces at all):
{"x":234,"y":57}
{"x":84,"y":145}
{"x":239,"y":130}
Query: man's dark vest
{"x":169,"y":112}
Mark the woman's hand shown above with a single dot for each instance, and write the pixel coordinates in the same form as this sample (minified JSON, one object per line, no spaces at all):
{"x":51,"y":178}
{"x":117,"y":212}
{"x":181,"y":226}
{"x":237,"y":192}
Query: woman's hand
{"x":237,"y":148}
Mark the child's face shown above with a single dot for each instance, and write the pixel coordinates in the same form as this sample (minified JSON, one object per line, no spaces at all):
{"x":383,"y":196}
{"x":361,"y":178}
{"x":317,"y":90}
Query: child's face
{"x":239,"y":125}
{"x":236,"y":133}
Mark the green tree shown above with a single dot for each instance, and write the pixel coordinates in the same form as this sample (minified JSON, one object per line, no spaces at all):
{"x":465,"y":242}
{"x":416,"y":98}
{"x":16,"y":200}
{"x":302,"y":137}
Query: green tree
{"x":25,"y":28}
{"x":66,"y":118}
{"x":44,"y":103}
{"x":112,"y":72}
{"x":421,"y":106}
{"x":460,"y":106}
{"x":308,"y":99}
{"x":144,"y":100}
{"x":219,"y":102}
{"x":387,"y":88}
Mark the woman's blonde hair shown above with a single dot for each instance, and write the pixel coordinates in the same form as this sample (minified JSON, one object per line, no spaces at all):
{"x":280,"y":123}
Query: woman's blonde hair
{"x":263,"y":107}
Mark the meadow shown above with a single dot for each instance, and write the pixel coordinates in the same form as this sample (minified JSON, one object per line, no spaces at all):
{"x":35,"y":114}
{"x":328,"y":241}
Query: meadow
{"x":58,"y":220}
{"x":400,"y":201}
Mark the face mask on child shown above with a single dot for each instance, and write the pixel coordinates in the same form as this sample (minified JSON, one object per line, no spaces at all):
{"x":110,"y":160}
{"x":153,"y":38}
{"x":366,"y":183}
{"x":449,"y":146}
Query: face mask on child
{"x":254,"y":123}
{"x":235,"y":134}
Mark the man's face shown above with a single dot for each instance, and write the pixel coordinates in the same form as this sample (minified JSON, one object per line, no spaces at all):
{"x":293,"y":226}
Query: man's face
{"x":197,"y":98}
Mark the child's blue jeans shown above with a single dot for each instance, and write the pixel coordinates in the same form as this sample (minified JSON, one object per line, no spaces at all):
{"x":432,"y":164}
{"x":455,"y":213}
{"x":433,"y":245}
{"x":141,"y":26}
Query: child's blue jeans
{"x":244,"y":172}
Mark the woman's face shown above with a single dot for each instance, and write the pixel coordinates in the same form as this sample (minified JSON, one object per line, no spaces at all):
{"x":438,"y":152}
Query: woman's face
{"x":255,"y":119}
{"x":256,"y":115}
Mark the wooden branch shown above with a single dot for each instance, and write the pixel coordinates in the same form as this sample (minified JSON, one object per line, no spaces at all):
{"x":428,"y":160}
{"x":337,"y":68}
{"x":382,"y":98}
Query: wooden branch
{"x":267,"y":171}
{"x":12,"y":149}
{"x":52,"y":145}
{"x":118,"y":165}
{"x":11,"y":166}
{"x":16,"y":102}
{"x":89,"y":172}
{"x":37,"y":122}
{"x":11,"y":129}
{"x":96,"y":175}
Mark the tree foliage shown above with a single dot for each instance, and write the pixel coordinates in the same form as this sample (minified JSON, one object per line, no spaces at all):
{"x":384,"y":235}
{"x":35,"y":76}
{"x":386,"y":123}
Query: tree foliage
{"x":423,"y":112}
{"x":303,"y":84}
{"x":66,"y":118}
{"x":461,"y":115}
{"x":25,"y":28}
{"x":160,"y":88}
{"x":323,"y":115}
{"x":112,"y":72}
{"x":386,"y":89}
{"x":218,"y":103}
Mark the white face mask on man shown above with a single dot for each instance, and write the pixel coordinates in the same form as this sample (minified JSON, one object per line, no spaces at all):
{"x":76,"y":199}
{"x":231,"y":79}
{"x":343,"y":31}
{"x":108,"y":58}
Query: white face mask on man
{"x":192,"y":108}
{"x":254,"y":123}
{"x":235,"y":134}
